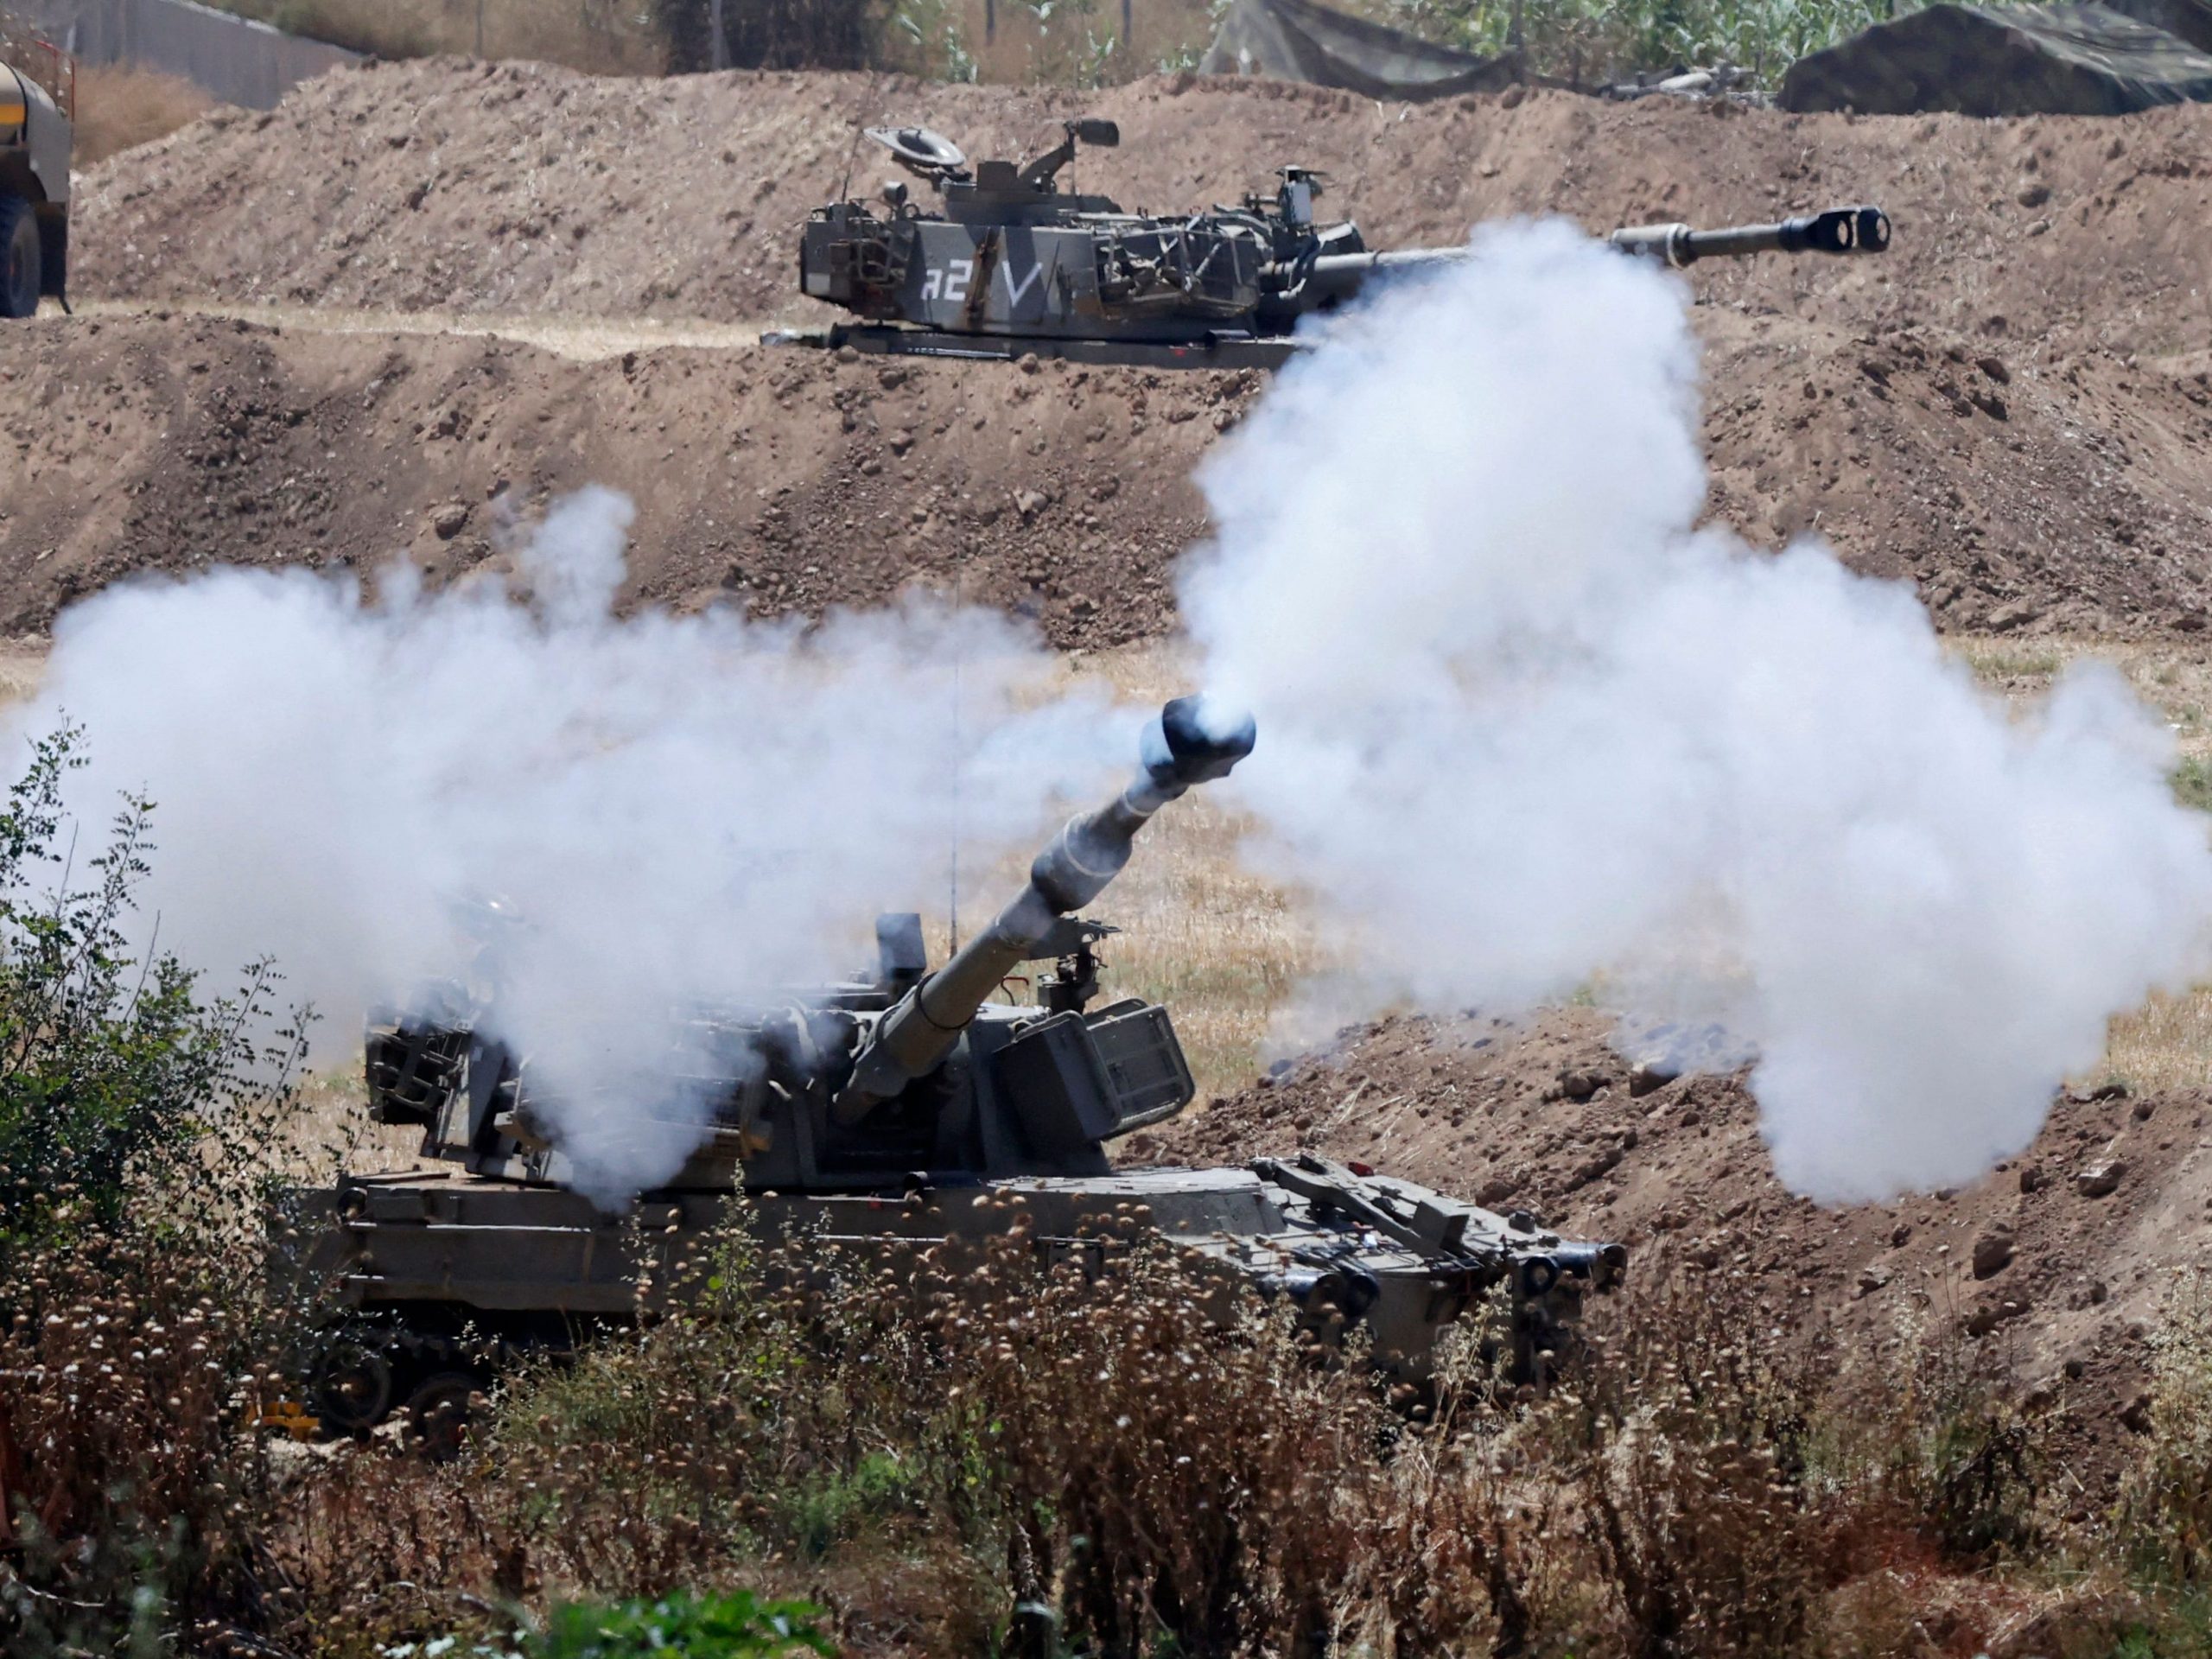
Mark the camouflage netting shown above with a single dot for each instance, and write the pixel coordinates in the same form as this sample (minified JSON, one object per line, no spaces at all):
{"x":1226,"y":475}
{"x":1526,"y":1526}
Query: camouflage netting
{"x":1296,"y":40}
{"x":1997,"y":61}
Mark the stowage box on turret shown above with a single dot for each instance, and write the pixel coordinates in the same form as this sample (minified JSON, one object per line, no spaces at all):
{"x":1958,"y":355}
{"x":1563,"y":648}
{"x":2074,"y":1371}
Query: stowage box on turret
{"x":1008,"y":262}
{"x":895,"y":1113}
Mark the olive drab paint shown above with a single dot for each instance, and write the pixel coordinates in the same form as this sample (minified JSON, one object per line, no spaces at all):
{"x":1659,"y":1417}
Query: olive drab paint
{"x":905,"y":1111}
{"x":1008,"y":262}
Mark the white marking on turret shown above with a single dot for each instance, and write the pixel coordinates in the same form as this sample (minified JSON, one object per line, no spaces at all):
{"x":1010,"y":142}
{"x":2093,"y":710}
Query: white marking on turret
{"x":1014,"y":290}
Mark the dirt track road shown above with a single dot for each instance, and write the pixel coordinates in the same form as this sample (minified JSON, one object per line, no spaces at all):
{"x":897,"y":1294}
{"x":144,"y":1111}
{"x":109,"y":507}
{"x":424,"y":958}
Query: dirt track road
{"x":580,"y":339}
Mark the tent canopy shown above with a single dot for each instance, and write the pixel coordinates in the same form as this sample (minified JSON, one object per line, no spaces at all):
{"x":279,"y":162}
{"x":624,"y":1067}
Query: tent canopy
{"x":2035,"y":59}
{"x":1296,"y":40}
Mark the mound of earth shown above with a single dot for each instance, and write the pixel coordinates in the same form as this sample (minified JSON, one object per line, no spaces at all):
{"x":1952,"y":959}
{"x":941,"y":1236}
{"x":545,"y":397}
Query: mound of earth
{"x":2001,"y":410}
{"x":2050,"y":1271}
{"x":2012,"y":494}
{"x":518,"y":187}
{"x":791,"y":480}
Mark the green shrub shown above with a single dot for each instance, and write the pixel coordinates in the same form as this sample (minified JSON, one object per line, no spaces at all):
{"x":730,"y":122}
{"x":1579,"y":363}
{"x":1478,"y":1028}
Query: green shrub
{"x":2192,"y":782}
{"x":139,"y":1122}
{"x":1591,"y":42}
{"x":734,"y":1626}
{"x":109,"y":1065}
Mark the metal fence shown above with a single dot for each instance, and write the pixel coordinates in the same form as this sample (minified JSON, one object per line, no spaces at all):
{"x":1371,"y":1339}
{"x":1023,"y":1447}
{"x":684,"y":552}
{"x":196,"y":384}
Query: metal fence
{"x":231,"y":58}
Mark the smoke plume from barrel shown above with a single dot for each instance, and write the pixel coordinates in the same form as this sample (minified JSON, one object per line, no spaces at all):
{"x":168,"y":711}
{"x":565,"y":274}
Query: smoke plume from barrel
{"x":673,"y":810}
{"x":1530,"y":730}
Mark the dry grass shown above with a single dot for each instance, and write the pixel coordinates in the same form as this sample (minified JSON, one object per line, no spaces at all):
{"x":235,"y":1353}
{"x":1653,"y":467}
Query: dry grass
{"x":22,"y":664}
{"x":2173,"y":678}
{"x":1064,"y":43}
{"x":600,"y":37}
{"x":2166,"y":1044}
{"x":1222,"y":947}
{"x":919,"y":1444}
{"x":1078,"y":43}
{"x":1226,"y":949}
{"x":120,"y":107}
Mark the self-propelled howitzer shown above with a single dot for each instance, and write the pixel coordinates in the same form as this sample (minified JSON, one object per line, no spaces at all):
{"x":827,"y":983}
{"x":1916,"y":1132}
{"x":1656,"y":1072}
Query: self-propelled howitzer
{"x":1008,"y":263}
{"x":891,"y":1114}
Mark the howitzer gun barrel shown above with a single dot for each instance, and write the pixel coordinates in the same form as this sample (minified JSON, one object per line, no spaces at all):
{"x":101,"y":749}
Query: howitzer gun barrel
{"x":1839,"y":230}
{"x":1184,"y":746}
{"x":1339,"y":275}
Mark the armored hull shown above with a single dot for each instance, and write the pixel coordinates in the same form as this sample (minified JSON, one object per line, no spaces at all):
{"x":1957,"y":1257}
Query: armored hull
{"x":455,"y":1275}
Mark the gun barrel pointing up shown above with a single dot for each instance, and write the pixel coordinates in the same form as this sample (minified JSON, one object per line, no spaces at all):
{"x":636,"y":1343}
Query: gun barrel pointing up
{"x":1181,"y":748}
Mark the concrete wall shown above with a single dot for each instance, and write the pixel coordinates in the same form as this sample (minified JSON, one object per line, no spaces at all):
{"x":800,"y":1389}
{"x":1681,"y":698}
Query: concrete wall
{"x":232,"y":58}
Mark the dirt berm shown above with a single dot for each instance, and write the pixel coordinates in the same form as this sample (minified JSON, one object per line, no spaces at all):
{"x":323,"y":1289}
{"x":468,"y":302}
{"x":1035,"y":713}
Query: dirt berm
{"x":515,"y":187}
{"x":794,"y":479}
{"x":2045,"y":1276}
{"x":2012,"y":409}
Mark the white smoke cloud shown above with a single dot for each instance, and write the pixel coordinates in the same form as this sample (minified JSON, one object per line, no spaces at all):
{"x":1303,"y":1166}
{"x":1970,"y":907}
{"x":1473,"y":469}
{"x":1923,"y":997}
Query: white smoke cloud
{"x":680,"y":809}
{"x":1523,"y":725}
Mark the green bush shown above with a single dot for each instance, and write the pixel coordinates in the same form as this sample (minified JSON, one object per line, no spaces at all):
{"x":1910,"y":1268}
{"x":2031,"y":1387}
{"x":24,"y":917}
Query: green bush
{"x":1592,"y":42}
{"x":139,"y":1122}
{"x":2192,"y":782}
{"x":110,"y":1065}
{"x":734,"y":1626}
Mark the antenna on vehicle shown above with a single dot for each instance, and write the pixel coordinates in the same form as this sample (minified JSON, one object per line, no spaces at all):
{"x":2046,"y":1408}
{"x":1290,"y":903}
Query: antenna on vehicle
{"x":860,"y":131}
{"x":959,"y":602}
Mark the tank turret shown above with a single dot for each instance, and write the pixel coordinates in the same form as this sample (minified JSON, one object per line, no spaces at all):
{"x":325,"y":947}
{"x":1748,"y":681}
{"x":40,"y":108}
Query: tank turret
{"x":1008,"y":263}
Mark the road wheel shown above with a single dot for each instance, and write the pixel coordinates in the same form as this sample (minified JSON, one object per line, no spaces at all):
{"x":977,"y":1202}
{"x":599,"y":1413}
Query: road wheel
{"x":353,"y":1389}
{"x":21,"y":261}
{"x":438,"y":1414}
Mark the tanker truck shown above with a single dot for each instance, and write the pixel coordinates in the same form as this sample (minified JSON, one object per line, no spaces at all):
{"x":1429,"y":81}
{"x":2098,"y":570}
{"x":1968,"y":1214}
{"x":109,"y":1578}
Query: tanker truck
{"x":37,"y":108}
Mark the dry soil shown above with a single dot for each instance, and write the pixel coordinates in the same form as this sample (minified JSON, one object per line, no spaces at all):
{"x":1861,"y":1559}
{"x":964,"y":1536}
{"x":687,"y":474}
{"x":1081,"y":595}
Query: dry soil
{"x":2012,"y":409}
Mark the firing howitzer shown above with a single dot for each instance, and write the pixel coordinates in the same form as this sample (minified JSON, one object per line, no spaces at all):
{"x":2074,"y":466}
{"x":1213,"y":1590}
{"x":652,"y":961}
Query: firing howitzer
{"x":893,"y":1115}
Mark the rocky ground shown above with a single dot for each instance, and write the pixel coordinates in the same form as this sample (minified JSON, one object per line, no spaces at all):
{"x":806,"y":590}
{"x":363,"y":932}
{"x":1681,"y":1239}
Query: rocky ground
{"x":2012,"y":409}
{"x":2048,"y":1274}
